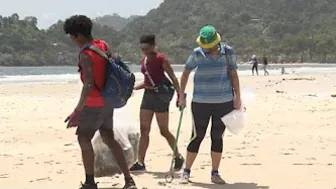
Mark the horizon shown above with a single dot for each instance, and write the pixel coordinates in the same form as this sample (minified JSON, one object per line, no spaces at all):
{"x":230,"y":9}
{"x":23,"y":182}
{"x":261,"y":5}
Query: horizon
{"x":48,"y":16}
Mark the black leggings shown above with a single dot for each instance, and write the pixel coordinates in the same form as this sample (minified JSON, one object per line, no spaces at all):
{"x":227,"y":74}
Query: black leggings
{"x":202,"y":112}
{"x":255,"y":67}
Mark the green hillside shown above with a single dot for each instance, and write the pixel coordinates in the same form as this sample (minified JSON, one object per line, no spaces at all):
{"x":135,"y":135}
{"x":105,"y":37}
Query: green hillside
{"x":114,"y":21}
{"x":283,"y":30}
{"x":23,"y":44}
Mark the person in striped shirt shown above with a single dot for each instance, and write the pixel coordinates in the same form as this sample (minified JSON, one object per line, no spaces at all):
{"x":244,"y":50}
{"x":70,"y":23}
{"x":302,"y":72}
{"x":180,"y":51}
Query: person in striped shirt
{"x":216,"y":93}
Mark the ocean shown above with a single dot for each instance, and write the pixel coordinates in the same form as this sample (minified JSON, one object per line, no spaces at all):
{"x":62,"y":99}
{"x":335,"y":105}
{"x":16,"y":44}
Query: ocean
{"x":24,"y":75}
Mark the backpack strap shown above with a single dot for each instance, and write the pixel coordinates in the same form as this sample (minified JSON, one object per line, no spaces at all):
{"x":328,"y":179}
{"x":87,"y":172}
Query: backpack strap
{"x":108,"y":50}
{"x":228,"y":65}
{"x":100,"y":53}
{"x":96,"y":50}
{"x":147,"y":73}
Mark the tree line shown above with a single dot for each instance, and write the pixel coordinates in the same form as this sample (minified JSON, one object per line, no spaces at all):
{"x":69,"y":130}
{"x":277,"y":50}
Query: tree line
{"x":283,"y":30}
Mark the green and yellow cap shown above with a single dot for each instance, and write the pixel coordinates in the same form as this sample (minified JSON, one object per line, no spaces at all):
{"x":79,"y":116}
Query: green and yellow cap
{"x":208,"y":37}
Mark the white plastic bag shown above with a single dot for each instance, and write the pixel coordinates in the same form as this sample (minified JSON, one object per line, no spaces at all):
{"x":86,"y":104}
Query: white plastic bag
{"x":128,"y":137}
{"x":235,"y":120}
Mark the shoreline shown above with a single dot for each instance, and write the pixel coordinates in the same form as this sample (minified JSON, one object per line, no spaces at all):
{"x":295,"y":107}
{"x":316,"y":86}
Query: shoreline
{"x":244,"y":63}
{"x":74,"y":77}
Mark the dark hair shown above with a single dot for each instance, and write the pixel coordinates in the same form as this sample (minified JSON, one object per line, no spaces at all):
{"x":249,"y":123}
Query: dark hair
{"x":78,"y":24}
{"x":149,"y":39}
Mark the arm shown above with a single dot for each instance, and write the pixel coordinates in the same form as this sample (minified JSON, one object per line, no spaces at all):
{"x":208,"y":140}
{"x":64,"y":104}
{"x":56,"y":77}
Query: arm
{"x":184,"y":81}
{"x":87,"y":65}
{"x":189,"y":66}
{"x":235,"y":83}
{"x":234,"y":75}
{"x":140,"y":86}
{"x":169,"y":70}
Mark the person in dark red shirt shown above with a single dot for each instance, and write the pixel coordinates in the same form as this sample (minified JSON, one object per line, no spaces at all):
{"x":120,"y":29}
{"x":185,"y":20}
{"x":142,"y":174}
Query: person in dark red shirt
{"x":91,"y":113}
{"x":154,"y":66}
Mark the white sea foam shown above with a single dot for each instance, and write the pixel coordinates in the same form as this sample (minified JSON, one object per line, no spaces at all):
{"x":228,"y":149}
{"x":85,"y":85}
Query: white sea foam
{"x":73,"y":78}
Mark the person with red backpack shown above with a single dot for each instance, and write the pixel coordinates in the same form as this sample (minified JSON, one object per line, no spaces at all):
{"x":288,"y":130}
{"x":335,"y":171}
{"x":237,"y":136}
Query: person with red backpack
{"x":93,"y":113}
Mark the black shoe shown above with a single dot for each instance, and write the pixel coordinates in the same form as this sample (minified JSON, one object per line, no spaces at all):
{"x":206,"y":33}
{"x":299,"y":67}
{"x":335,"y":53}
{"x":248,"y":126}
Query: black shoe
{"x":130,"y":184}
{"x":89,"y":186}
{"x":178,"y":164}
{"x":137,"y":167}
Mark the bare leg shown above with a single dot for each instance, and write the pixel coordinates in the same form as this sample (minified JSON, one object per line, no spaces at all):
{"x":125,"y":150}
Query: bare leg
{"x":87,"y":154}
{"x":146,"y":117}
{"x":190,"y":159}
{"x":163,"y":123}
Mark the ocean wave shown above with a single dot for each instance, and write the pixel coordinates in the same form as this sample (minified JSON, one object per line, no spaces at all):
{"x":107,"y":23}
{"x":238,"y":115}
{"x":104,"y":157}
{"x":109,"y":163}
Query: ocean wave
{"x":72,"y":78}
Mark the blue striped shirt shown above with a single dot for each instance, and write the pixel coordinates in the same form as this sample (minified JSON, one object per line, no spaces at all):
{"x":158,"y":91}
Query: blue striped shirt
{"x":211,"y":82}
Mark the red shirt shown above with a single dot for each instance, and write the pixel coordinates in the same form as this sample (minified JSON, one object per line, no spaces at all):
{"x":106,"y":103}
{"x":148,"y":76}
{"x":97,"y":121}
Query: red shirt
{"x":154,"y":68}
{"x":99,"y":68}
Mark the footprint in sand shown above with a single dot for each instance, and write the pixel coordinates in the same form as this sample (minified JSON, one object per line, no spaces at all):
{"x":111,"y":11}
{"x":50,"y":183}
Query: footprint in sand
{"x":242,"y":148}
{"x":251,"y":164}
{"x":286,"y":154}
{"x":303,"y":164}
{"x":3,"y":176}
{"x":60,"y":172}
{"x":250,"y":155}
{"x":69,"y":144}
{"x":42,"y":179}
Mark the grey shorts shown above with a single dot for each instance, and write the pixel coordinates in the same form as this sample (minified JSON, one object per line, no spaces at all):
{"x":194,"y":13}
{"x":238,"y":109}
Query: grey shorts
{"x":154,"y":102}
{"x":93,"y":119}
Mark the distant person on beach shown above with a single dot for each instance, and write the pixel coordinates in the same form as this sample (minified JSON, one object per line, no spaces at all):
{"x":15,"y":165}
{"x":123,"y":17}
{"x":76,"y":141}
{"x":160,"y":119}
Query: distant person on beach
{"x":254,"y":64}
{"x":91,"y":113}
{"x":216,"y":93}
{"x":283,"y":71}
{"x":265,"y":63}
{"x":156,"y":99}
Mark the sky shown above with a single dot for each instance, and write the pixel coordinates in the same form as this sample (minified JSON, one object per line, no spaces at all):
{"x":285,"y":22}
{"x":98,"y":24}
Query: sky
{"x":49,"y":12}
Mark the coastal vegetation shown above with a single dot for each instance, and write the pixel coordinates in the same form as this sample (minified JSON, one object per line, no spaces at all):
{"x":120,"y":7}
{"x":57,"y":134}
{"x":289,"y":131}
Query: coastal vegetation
{"x":283,"y":30}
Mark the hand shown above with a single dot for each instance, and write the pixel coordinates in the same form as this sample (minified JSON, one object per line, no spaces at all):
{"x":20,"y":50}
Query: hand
{"x":138,"y":87}
{"x":177,"y":99}
{"x":73,"y":119}
{"x":181,"y":101}
{"x":237,"y":104}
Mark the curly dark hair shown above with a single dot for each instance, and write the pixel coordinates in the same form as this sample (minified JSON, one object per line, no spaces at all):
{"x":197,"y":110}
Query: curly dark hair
{"x":148,"y":38}
{"x":78,"y":24}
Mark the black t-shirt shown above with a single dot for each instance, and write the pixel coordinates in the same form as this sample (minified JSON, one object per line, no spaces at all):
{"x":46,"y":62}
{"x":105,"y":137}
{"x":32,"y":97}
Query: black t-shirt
{"x":265,"y":61}
{"x":255,"y":62}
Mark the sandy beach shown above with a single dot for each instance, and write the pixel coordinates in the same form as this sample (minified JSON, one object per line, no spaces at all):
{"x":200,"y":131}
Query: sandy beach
{"x":288,"y":143}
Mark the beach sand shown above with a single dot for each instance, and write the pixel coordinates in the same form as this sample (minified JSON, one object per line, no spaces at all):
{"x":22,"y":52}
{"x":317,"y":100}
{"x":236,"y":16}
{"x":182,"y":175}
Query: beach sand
{"x":289,"y":141}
